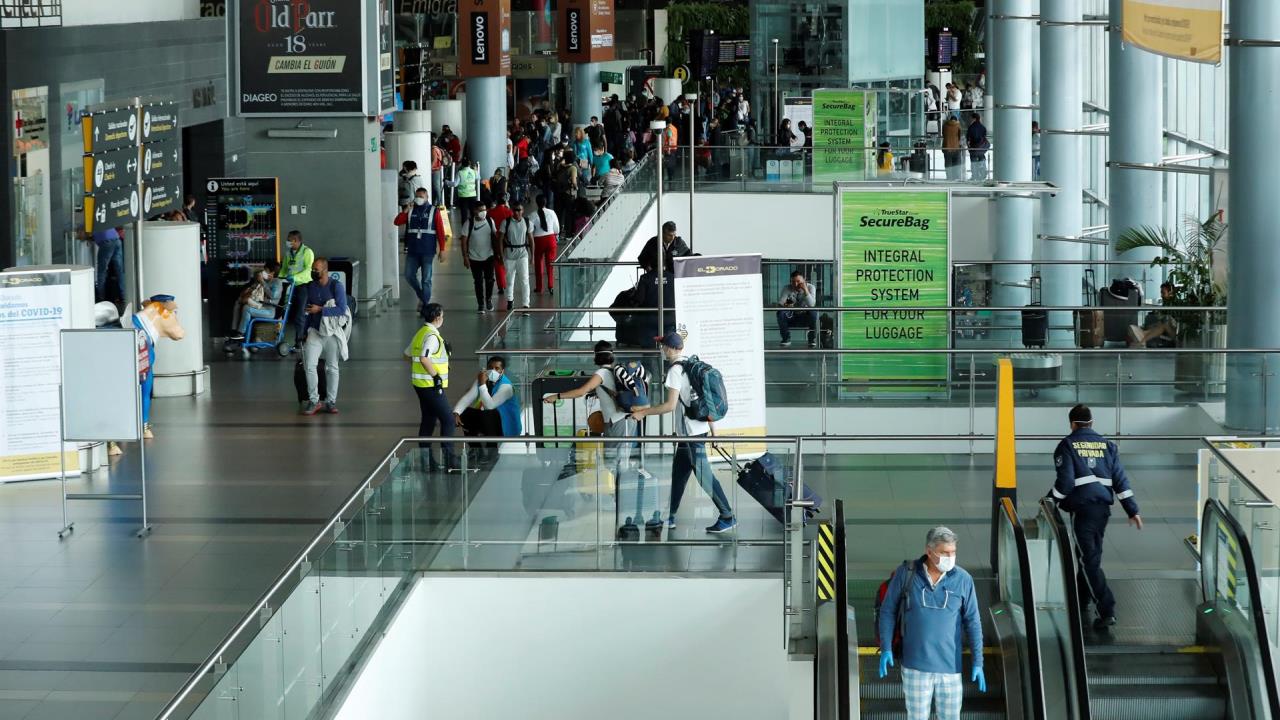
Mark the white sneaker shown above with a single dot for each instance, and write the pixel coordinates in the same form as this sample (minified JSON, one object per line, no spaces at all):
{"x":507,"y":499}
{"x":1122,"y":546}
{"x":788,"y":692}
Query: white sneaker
{"x":785,"y":343}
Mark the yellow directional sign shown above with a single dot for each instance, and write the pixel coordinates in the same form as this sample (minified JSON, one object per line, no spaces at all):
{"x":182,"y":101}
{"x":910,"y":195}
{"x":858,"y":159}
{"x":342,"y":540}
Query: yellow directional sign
{"x":681,"y":73}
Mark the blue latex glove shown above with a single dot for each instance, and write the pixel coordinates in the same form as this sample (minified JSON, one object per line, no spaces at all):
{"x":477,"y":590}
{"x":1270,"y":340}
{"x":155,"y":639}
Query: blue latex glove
{"x":886,"y":662}
{"x":977,"y":677}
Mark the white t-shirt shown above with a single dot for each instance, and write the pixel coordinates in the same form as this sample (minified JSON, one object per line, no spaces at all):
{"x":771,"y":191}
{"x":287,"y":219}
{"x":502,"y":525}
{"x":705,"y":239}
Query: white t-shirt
{"x":677,"y":380}
{"x":608,"y":407}
{"x":541,"y":229}
{"x":481,"y":238}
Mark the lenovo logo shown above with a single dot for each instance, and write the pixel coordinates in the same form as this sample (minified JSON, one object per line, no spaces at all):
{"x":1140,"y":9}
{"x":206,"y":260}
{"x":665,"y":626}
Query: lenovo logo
{"x":480,"y":38}
{"x":573,"y":29}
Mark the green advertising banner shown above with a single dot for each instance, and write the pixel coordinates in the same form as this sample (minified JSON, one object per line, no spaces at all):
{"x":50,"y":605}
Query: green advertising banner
{"x":893,"y":254}
{"x":840,"y":138}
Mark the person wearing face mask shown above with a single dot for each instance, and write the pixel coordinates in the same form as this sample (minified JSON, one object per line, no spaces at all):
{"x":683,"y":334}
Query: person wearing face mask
{"x":428,"y":355}
{"x":326,"y":306}
{"x":479,"y":243}
{"x":1090,"y":479}
{"x":939,"y":606}
{"x":297,"y":270}
{"x":427,"y":233}
{"x":259,"y":299}
{"x":490,"y":407}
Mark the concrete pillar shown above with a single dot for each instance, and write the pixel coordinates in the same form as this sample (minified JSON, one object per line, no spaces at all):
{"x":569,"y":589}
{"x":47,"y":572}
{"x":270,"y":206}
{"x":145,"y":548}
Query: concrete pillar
{"x":1253,"y":213}
{"x":486,"y":119}
{"x":586,"y":93}
{"x":1062,"y":214}
{"x":1010,"y":78}
{"x":1137,"y":136}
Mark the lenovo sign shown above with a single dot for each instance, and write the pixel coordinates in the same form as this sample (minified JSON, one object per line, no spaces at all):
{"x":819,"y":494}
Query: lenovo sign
{"x":480,"y":38}
{"x":573,"y":29}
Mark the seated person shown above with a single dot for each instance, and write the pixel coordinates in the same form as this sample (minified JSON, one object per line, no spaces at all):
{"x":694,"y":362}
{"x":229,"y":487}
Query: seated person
{"x":490,"y":407}
{"x":1158,"y":329}
{"x":259,"y":299}
{"x":798,"y":294}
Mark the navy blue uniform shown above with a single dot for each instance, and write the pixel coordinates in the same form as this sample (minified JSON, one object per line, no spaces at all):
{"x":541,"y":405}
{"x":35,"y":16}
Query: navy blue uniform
{"x":1090,"y":480}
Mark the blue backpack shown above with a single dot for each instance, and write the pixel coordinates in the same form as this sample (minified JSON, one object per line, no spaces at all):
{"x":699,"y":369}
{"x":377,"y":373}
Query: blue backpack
{"x":708,"y":400}
{"x":632,"y":382}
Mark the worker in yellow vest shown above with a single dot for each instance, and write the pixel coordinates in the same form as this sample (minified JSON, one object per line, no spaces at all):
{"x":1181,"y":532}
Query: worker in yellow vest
{"x":428,"y":356}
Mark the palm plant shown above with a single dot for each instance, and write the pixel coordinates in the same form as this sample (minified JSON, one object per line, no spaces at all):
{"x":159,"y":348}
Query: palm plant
{"x":1188,"y":257}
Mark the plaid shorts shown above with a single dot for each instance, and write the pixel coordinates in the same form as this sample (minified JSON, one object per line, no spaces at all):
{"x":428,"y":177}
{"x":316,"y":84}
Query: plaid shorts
{"x":922,"y":689}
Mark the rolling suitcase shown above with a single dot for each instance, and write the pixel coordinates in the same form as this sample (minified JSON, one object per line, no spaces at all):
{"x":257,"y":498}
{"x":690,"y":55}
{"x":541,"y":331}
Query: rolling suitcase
{"x":564,"y":418}
{"x":1089,"y":328}
{"x":765,"y":480}
{"x":1035,"y":320}
{"x":1123,"y":293}
{"x":300,"y":380}
{"x":637,"y":504}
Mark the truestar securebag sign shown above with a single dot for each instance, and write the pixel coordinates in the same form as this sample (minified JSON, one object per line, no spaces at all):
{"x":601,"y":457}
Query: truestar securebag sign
{"x":718,"y":314}
{"x":893,"y":252}
{"x":844,"y":123}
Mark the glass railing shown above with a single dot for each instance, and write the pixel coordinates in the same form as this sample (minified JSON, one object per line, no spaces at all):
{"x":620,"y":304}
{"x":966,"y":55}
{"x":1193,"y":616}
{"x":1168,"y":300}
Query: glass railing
{"x":1059,"y":617}
{"x":1015,"y":615}
{"x":507,"y":505}
{"x":1122,"y":385}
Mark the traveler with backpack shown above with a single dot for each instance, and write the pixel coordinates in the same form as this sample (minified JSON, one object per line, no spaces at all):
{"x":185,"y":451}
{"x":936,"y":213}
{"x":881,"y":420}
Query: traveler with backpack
{"x":622,"y":389}
{"x":697,"y":390}
{"x":515,"y":238}
{"x":479,"y":241}
{"x":928,"y":602}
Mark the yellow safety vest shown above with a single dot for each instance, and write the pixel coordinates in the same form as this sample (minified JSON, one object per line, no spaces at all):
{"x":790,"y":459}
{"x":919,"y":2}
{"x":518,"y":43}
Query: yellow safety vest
{"x":440,"y":358}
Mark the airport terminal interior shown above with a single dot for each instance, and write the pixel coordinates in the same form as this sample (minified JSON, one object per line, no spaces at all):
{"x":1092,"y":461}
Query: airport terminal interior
{"x":744,"y":359}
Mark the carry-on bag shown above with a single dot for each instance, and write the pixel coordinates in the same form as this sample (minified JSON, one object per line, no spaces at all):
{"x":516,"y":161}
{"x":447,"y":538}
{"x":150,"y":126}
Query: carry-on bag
{"x":1035,"y":319}
{"x":765,"y":480}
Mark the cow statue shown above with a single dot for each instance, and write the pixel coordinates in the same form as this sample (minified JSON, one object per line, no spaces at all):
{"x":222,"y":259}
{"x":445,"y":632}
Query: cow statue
{"x":157,"y":319}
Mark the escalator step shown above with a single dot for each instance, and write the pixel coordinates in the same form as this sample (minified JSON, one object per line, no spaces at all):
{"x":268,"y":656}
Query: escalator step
{"x":1162,"y":702}
{"x":895,"y":710}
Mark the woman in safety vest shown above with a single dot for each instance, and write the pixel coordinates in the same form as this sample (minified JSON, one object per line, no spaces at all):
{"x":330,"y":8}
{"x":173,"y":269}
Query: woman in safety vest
{"x":428,"y":356}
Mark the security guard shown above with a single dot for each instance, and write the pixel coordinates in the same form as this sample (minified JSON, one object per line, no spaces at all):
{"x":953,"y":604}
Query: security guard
{"x":429,"y":374}
{"x":297,"y":270}
{"x":1090,"y":480}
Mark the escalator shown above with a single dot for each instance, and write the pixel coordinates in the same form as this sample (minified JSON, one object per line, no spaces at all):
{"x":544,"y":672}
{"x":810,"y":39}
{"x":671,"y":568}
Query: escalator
{"x":1182,"y":649}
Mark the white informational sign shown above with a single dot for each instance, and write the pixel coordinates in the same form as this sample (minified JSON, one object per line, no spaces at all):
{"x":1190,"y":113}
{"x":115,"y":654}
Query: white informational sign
{"x":718,"y":314}
{"x":34,"y":309}
{"x":797,"y":109}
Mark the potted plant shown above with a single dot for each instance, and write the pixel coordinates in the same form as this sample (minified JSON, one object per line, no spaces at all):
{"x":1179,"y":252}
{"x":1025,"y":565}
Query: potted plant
{"x":1188,"y":256}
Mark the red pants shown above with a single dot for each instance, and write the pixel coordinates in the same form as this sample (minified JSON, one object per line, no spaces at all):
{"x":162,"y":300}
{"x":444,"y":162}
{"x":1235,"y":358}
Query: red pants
{"x":544,"y":253}
{"x":501,"y":271}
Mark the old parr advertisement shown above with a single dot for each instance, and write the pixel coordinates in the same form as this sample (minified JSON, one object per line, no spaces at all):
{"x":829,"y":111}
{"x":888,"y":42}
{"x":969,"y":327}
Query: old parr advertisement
{"x":301,"y":57}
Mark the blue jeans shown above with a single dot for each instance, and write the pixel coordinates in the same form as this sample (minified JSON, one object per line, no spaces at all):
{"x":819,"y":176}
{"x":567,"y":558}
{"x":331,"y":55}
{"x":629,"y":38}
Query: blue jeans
{"x":298,"y":313}
{"x":419,"y":266}
{"x":692,"y":458}
{"x":797,"y":318}
{"x":248,"y":313}
{"x":110,"y":256}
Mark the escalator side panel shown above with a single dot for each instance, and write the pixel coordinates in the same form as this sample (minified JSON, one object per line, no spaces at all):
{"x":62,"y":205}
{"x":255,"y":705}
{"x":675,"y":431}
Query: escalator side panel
{"x":1238,"y":658}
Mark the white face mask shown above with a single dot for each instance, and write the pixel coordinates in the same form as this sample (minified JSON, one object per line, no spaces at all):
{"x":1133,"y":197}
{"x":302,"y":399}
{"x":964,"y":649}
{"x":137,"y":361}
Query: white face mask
{"x":481,"y":216}
{"x":946,"y":563}
{"x":419,"y":201}
{"x":494,"y":375}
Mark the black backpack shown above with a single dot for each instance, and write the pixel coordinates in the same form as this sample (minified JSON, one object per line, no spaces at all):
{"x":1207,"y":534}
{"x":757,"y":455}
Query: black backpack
{"x":506,"y":230}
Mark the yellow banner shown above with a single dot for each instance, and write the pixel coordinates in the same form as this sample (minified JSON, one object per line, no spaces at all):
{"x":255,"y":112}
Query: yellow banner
{"x":36,"y":465}
{"x":1185,"y":29}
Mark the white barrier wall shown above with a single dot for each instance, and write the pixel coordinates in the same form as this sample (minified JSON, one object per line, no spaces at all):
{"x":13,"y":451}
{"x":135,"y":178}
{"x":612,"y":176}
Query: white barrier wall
{"x":549,"y":648}
{"x":171,"y":266}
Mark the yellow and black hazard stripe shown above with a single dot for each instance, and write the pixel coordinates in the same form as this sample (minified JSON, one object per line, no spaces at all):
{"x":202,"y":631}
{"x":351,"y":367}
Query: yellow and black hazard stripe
{"x":826,"y":573}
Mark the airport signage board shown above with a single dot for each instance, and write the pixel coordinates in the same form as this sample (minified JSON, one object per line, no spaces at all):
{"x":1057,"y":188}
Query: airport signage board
{"x":843,"y":134}
{"x":586,"y":30}
{"x":484,"y":39}
{"x":111,"y":168}
{"x":110,"y":129}
{"x":112,"y":207}
{"x":892,"y":250}
{"x":1183,"y":29}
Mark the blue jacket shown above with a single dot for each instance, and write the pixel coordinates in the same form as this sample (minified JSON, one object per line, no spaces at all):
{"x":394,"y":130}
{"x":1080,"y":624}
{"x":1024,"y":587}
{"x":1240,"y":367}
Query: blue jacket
{"x":933,"y":619}
{"x":1089,"y":471}
{"x":421,"y":236}
{"x":318,"y":294}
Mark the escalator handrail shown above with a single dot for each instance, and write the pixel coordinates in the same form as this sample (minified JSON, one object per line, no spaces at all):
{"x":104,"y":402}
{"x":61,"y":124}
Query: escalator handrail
{"x":1215,"y":507}
{"x":1039,"y":711}
{"x":1075,"y":618}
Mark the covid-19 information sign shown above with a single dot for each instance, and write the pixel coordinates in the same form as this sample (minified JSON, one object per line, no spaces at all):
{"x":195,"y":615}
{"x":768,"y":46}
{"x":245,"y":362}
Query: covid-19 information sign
{"x":892,"y":251}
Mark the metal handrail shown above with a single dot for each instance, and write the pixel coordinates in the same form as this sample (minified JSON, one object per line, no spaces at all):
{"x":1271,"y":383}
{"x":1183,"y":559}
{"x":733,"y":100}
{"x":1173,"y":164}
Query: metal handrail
{"x":1029,"y":615}
{"x":1075,"y":621}
{"x":901,"y":308}
{"x":572,"y":242}
{"x":1256,"y":610}
{"x":825,"y":261}
{"x":1217,"y":453}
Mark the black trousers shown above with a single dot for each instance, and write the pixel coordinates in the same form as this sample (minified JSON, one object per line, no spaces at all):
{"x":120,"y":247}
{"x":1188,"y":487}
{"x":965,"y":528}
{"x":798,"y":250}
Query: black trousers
{"x":1090,"y":523}
{"x":482,"y":277}
{"x":435,"y":409}
{"x":477,"y":422}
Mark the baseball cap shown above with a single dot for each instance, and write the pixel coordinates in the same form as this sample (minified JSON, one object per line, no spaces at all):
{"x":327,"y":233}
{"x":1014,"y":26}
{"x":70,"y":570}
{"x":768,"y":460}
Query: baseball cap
{"x":1081,"y":414}
{"x":671,"y":340}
